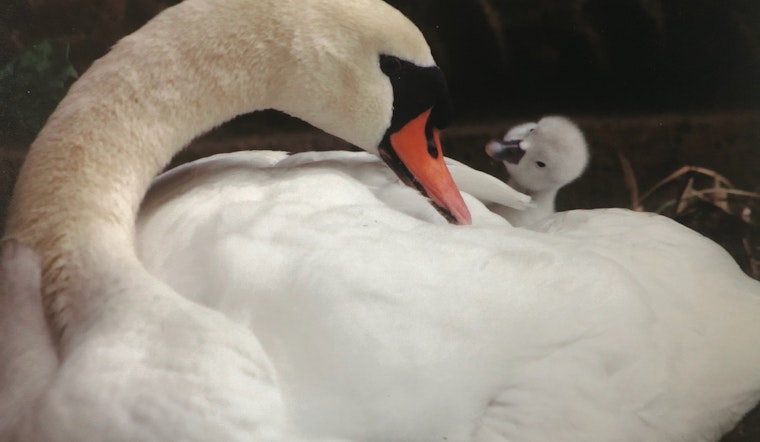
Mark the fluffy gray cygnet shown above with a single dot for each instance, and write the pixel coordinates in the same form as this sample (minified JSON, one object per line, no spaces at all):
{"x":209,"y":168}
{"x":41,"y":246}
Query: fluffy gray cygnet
{"x":540,"y":158}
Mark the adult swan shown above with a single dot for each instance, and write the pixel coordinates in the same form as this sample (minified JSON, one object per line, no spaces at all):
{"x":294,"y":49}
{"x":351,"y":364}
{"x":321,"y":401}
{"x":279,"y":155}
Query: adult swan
{"x":362,"y":321}
{"x":126,"y":357}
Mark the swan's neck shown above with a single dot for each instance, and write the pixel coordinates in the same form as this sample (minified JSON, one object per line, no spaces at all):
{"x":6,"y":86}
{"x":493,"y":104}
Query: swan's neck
{"x":81,"y":185}
{"x":194,"y":66}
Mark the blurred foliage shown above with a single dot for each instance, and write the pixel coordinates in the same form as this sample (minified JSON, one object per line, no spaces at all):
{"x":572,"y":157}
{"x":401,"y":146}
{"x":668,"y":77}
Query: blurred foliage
{"x":508,"y":57}
{"x":32,"y":84}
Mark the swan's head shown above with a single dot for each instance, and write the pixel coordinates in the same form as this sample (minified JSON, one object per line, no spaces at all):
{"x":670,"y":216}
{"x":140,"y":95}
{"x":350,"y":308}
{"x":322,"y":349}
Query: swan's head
{"x":365,"y":73}
{"x":542,"y":156}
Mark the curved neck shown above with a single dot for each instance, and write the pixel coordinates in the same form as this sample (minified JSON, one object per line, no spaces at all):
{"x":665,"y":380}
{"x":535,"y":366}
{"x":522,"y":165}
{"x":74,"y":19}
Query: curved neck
{"x":194,"y":66}
{"x":81,"y":185}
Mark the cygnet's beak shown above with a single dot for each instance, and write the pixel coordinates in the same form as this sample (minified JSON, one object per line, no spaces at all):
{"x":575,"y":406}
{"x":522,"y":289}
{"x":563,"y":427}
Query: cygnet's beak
{"x":415,"y":155}
{"x":509,"y":151}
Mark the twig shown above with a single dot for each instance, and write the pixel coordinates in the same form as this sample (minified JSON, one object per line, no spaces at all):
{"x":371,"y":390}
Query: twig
{"x":682,"y":171}
{"x":630,"y":181}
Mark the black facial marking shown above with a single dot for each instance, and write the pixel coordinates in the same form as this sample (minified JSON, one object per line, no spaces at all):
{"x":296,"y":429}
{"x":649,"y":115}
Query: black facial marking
{"x":415,"y":90}
{"x":540,"y":164}
{"x":391,"y":66}
{"x":509,"y":151}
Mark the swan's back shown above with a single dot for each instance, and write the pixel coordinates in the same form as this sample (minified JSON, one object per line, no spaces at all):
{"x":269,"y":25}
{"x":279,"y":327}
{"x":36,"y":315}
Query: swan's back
{"x":602,"y":325}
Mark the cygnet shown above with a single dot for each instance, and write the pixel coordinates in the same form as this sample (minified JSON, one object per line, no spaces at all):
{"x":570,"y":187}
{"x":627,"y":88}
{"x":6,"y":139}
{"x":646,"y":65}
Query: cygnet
{"x":540,"y":158}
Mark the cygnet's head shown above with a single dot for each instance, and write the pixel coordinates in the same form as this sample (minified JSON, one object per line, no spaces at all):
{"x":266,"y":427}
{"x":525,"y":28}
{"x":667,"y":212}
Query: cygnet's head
{"x":542,"y":156}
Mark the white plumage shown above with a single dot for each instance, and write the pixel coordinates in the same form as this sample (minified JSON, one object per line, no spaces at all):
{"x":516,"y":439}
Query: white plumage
{"x":381,"y":323}
{"x":315,"y":298}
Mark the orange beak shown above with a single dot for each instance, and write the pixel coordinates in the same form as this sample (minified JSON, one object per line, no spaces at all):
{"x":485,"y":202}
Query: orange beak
{"x":415,"y":155}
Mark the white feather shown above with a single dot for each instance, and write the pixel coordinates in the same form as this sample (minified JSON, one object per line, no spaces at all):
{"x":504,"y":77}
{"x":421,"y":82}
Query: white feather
{"x":597,"y":325}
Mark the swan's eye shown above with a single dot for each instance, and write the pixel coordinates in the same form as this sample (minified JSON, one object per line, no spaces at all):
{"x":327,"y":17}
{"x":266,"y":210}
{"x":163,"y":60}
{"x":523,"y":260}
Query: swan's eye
{"x":391,"y":66}
{"x":540,"y":164}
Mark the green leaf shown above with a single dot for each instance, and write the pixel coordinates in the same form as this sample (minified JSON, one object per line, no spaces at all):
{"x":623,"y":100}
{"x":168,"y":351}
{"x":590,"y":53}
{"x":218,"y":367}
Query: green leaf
{"x":32,"y":84}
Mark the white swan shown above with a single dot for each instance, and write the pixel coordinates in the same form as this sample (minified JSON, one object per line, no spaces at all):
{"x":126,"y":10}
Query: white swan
{"x":353,"y":315}
{"x":541,"y":158}
{"x":135,"y":359}
{"x":596,"y":325}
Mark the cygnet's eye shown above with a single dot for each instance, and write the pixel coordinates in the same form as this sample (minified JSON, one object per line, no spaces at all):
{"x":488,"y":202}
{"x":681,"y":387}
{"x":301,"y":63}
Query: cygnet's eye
{"x":540,"y":164}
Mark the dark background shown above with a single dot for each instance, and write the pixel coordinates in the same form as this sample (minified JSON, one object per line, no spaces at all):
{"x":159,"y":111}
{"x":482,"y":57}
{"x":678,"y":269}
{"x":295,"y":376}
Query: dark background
{"x":509,"y":57}
{"x":596,"y":55}
{"x":635,"y":73}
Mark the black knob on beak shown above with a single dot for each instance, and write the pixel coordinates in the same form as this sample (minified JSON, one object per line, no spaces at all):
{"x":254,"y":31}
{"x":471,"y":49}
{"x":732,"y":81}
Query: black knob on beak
{"x":509,"y":151}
